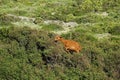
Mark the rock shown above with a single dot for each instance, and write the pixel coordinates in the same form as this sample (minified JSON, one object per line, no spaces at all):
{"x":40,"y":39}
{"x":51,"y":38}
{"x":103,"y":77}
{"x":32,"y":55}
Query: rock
{"x":102,"y":36}
{"x":21,"y":18}
{"x":61,"y":23}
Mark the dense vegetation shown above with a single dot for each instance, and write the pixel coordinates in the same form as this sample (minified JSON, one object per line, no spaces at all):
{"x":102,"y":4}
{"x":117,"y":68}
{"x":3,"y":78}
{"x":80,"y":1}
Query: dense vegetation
{"x":28,"y":50}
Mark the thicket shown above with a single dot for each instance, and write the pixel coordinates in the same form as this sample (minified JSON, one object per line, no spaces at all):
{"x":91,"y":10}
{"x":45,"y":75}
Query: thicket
{"x":58,"y":10}
{"x":32,"y":54}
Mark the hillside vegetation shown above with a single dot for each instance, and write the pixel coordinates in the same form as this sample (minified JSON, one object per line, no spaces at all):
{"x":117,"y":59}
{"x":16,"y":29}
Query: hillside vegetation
{"x":28,"y":50}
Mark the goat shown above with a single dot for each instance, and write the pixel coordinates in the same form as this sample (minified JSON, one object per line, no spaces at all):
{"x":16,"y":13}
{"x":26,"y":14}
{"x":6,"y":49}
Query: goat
{"x":70,"y":45}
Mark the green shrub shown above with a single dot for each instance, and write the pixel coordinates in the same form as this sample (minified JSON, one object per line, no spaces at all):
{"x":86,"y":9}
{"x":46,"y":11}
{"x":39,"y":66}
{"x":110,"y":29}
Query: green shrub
{"x":31,"y":54}
{"x":115,"y":30}
{"x":52,"y":27}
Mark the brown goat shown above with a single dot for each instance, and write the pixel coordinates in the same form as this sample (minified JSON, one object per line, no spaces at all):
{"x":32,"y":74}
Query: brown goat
{"x":70,"y":45}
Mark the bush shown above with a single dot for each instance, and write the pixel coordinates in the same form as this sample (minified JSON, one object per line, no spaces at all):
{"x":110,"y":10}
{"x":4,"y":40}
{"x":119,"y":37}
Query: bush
{"x":31,"y":54}
{"x":115,"y":30}
{"x":52,"y":27}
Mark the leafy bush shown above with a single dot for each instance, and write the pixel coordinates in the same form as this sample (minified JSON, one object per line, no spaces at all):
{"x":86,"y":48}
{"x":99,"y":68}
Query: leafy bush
{"x":32,"y":54}
{"x":52,"y":27}
{"x":115,"y":30}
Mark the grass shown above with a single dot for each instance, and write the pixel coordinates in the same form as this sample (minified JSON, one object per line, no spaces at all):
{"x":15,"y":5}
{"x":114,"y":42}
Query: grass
{"x":28,"y":50}
{"x":52,"y":27}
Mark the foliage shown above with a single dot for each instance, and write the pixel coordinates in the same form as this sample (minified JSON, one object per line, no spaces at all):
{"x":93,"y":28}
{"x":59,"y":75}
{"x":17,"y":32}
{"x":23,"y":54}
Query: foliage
{"x":30,"y":53}
{"x":52,"y":27}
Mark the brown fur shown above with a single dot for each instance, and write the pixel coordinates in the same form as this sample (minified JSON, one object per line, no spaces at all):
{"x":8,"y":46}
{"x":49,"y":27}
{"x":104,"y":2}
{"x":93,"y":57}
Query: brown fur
{"x":70,"y":45}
